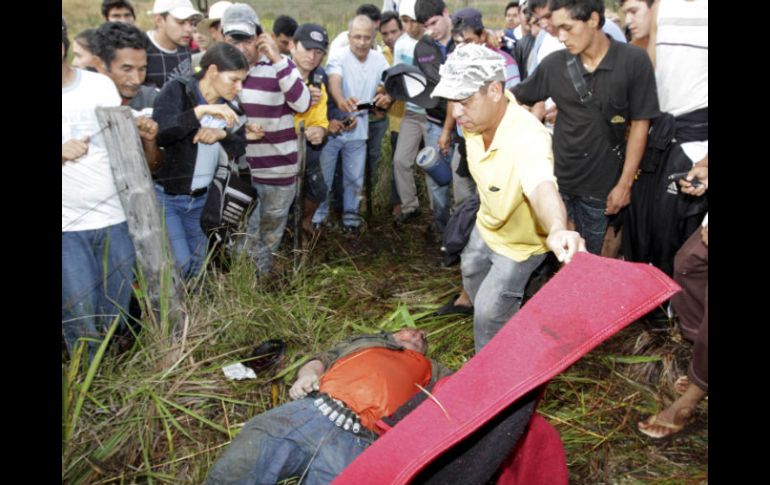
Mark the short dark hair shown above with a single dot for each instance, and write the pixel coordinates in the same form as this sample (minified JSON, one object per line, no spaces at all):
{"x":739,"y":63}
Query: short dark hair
{"x":533,"y":4}
{"x":284,"y":25}
{"x":64,"y":39}
{"x":85,"y":39}
{"x":223,"y":55}
{"x":515,"y":3}
{"x":111,"y":36}
{"x":370,"y":11}
{"x":579,"y":9}
{"x":108,"y":5}
{"x":425,"y":9}
{"x":648,"y":2}
{"x":391,"y":15}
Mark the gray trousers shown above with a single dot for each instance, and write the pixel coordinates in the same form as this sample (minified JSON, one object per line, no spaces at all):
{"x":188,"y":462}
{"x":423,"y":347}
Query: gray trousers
{"x":495,"y":285}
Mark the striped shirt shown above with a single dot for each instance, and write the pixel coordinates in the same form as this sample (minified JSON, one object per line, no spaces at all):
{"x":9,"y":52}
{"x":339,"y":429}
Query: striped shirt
{"x":271,"y":94}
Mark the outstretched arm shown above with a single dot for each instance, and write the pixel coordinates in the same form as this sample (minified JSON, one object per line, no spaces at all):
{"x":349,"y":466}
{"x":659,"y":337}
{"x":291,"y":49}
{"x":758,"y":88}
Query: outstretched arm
{"x":552,"y":214}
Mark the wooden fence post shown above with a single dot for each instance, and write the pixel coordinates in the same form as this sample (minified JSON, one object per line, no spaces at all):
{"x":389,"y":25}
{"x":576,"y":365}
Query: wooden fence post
{"x":137,"y":195}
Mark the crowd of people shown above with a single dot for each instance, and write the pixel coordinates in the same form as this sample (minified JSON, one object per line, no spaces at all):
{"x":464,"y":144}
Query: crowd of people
{"x":568,"y":131}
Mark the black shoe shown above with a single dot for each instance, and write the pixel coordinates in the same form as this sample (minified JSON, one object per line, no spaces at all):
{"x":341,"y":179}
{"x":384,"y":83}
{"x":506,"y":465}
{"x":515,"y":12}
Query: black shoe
{"x":405,"y":217}
{"x":450,"y":308}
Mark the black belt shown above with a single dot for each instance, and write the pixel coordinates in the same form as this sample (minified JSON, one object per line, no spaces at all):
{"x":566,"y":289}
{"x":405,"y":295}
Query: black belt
{"x":193,"y":193}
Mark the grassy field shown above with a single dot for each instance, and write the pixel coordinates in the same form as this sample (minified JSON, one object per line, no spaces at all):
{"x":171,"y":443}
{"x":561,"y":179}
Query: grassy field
{"x":124,"y":420}
{"x":332,"y":14}
{"x":129,"y":422}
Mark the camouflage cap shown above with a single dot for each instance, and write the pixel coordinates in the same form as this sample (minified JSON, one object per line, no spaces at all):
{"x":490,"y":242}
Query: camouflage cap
{"x":467,"y":69}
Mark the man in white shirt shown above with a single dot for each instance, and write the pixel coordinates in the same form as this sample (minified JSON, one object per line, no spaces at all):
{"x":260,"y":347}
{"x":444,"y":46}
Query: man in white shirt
{"x":97,"y":251}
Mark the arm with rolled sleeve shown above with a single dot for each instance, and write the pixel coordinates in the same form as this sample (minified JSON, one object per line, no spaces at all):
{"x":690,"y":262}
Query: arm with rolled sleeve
{"x":290,"y":81}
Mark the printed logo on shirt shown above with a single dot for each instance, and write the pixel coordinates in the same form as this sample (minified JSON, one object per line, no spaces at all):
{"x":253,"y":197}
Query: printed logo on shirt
{"x":617,"y":119}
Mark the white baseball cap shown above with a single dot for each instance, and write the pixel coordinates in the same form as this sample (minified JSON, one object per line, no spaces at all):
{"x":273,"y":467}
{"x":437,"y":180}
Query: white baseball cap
{"x":406,"y":7}
{"x":216,"y":10}
{"x":181,"y":9}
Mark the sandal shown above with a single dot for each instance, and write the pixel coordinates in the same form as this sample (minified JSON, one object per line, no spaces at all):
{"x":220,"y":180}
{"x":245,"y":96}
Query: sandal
{"x":654,"y":428}
{"x":450,"y":308}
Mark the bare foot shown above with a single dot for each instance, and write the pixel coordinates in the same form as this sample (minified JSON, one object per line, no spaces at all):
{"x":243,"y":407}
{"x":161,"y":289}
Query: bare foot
{"x":463,"y":300}
{"x":675,"y":417}
{"x":666,"y":422}
{"x":681,"y":384}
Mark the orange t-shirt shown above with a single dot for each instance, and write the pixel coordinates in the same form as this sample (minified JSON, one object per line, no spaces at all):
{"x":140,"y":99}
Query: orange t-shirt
{"x":374,"y":382}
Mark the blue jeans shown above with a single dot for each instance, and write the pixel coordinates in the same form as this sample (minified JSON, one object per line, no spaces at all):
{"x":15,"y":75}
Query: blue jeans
{"x":495,"y":285}
{"x":353,"y":160}
{"x":281,"y":442}
{"x":264,"y":229}
{"x":182,"y":215}
{"x":439,"y":195}
{"x":588,"y":215}
{"x":97,"y":272}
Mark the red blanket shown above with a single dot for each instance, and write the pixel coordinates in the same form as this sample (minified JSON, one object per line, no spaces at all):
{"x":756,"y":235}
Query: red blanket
{"x":586,"y":302}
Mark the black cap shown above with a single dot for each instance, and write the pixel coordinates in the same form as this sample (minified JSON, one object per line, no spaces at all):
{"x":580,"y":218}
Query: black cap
{"x":467,"y":18}
{"x":406,"y":82}
{"x":312,"y":36}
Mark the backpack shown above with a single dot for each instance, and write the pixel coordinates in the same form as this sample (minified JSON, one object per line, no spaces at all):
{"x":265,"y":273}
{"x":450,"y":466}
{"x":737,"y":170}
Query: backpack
{"x":231,"y":198}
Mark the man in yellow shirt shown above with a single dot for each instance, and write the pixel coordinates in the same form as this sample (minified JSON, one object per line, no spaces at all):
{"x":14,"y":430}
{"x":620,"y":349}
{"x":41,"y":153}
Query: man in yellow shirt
{"x":521,"y":216}
{"x":308,"y":50}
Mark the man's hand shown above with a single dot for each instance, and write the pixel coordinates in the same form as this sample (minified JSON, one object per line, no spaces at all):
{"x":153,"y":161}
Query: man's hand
{"x":702,"y":174}
{"x":619,"y":197}
{"x":148,"y":128}
{"x":335,"y":126}
{"x":550,"y":114}
{"x":303,"y":386}
{"x":443,"y":141}
{"x":494,"y":39}
{"x":382,"y":101}
{"x":266,"y":45}
{"x":73,"y":149}
{"x":315,"y":94}
{"x":348,"y":105}
{"x":315,"y":134}
{"x":218,"y":110}
{"x":254,"y":131}
{"x":307,"y":379}
{"x":565,"y":244}
{"x":209,"y":136}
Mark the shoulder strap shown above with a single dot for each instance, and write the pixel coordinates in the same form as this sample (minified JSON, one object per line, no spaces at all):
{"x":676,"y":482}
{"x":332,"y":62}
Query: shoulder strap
{"x":586,"y":97}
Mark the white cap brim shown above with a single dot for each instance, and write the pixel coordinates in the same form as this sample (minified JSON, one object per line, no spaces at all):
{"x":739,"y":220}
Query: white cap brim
{"x":453,"y":89}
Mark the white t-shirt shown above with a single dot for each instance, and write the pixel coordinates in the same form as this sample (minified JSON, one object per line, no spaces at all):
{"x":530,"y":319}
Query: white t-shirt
{"x":89,"y":199}
{"x":681,"y":52}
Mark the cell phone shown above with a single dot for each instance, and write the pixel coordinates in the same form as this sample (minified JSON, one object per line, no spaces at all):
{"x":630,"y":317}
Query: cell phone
{"x":362,"y":106}
{"x":675,"y":177}
{"x":347,"y":121}
{"x":318,"y":79}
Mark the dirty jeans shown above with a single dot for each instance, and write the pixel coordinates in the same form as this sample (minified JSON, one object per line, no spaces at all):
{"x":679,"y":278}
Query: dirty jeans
{"x":281,"y":442}
{"x":266,"y":224}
